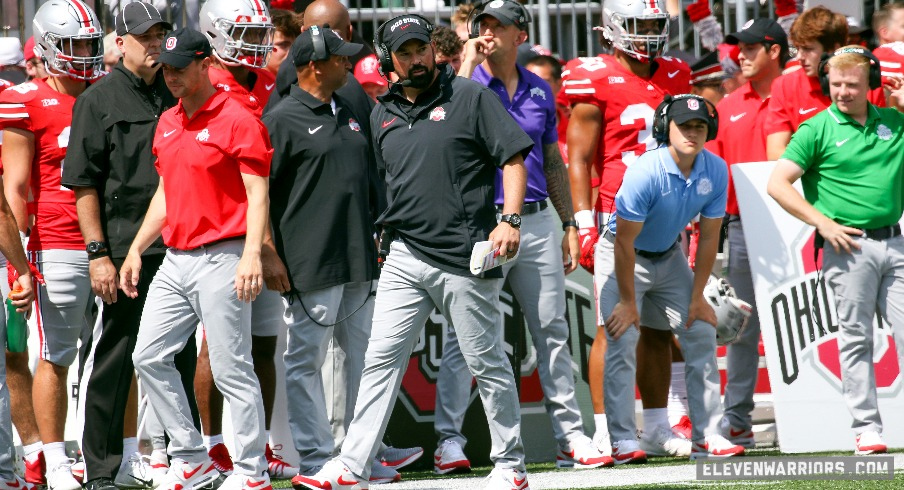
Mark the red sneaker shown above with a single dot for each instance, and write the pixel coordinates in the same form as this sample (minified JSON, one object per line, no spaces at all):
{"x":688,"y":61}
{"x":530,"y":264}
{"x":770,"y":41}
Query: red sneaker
{"x":36,"y":469}
{"x":219,"y":454}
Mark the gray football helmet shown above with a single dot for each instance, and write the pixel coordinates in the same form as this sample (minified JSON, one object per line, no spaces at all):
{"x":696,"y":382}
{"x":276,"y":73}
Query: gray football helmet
{"x":626,"y":24}
{"x":240,"y":31}
{"x":69,"y":40}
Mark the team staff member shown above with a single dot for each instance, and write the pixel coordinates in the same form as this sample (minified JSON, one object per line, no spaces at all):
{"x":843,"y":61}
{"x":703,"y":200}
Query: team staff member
{"x":435,"y":198}
{"x":798,"y":96}
{"x":641,"y":264}
{"x":321,"y":167}
{"x":742,"y":138}
{"x":212,"y":213}
{"x":850,"y":160}
{"x":110,"y":167}
{"x":538,"y":276}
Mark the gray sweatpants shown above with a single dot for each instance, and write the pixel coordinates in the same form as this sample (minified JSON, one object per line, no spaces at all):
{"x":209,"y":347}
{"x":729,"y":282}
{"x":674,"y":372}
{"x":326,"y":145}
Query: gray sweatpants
{"x":195,"y":287}
{"x":538,"y":282}
{"x":870,"y":277}
{"x":305,"y":354}
{"x":743,"y":355}
{"x":666,"y":283}
{"x":408,"y":291}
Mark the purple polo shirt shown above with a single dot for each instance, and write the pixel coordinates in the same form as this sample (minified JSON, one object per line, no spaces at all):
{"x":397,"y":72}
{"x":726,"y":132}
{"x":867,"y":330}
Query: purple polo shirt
{"x":534,"y":109}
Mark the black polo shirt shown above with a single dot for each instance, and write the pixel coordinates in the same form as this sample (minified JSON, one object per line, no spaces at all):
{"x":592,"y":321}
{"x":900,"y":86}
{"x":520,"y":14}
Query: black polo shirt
{"x":287,"y":78}
{"x":440,"y":156}
{"x":113,"y":124}
{"x":321,"y":192}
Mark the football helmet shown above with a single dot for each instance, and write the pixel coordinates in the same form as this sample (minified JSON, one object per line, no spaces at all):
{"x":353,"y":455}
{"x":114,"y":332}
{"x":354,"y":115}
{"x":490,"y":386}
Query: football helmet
{"x":640,"y":28}
{"x":69,"y":40}
{"x":731,"y":312}
{"x":240,"y":31}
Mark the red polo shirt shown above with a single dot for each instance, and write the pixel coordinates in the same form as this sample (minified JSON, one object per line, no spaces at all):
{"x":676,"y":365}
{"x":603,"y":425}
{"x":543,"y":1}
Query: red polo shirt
{"x":797,"y":97}
{"x":201,"y":161}
{"x":742,"y":136}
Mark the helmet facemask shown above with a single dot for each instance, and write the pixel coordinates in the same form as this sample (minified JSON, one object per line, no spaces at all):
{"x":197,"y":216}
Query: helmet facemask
{"x":643,"y":37}
{"x":248,"y":41}
{"x":80,"y":57}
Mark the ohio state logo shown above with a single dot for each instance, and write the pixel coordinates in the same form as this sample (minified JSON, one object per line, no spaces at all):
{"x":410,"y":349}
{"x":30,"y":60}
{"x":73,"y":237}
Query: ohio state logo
{"x":438,"y":114}
{"x":171,"y":44}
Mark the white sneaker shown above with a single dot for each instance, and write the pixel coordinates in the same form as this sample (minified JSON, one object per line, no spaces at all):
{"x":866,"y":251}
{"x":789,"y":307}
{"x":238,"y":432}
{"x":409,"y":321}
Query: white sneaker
{"x":628,"y":451}
{"x":449,"y":458}
{"x":159,"y":466}
{"x":16,"y":484}
{"x":741,"y":437}
{"x":602,"y":442}
{"x":870,"y":442}
{"x":187,"y":476}
{"x":715,"y":447}
{"x":380,"y":474}
{"x":276,"y":467}
{"x":333,"y":476}
{"x":134,"y":472}
{"x":661,"y":441}
{"x":245,"y":482}
{"x":582,"y":454}
{"x":60,"y":477}
{"x":400,"y":457}
{"x":506,"y":479}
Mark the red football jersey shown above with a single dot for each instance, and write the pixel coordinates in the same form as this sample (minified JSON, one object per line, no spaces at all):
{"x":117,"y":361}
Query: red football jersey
{"x":256,"y":99}
{"x":35,"y":107}
{"x":628,"y":103}
{"x":891,"y":60}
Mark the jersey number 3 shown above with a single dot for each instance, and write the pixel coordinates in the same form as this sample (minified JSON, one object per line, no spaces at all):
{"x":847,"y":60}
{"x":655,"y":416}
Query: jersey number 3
{"x":645,"y":136}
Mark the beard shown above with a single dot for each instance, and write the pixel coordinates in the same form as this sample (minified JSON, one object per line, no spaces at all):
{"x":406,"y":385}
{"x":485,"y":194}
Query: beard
{"x":420,"y":76}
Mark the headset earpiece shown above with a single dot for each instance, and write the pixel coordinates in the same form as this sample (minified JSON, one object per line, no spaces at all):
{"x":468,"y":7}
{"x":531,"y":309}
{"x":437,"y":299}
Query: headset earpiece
{"x":875,"y":70}
{"x":320,"y":51}
{"x":661,"y":117}
{"x":382,"y":51}
{"x":474,"y":24}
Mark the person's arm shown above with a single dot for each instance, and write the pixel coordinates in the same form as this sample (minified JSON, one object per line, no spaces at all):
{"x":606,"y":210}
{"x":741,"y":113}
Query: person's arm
{"x":584,"y":129}
{"x":18,"y":154}
{"x":707,"y":247}
{"x":776,"y":143}
{"x":505,"y":238}
{"x":275,"y":274}
{"x":150,"y":230}
{"x":104,"y":280}
{"x":625,"y":314}
{"x":780,"y":188}
{"x":11,"y":248}
{"x":249,"y":277}
{"x":474,"y":52}
{"x":560,"y":194}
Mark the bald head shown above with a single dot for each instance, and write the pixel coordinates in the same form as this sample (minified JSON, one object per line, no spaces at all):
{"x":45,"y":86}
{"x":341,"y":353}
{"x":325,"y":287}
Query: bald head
{"x":330,"y":12}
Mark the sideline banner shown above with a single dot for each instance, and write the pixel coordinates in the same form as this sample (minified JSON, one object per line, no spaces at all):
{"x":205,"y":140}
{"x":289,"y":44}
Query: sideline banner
{"x":800,"y":329}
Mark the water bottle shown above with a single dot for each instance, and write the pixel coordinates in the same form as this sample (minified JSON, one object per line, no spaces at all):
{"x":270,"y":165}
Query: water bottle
{"x":16,"y":327}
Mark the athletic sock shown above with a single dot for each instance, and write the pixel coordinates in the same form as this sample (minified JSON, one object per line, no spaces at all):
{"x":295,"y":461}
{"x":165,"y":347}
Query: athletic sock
{"x":601,"y":424}
{"x":55,"y":454}
{"x":677,"y":394}
{"x":211,"y":441}
{"x":654,"y":418}
{"x":32,"y":451}
{"x":129,"y":447}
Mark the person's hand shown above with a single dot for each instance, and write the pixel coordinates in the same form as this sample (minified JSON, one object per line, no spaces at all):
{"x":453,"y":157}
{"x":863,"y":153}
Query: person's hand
{"x":475,"y":52}
{"x":506,"y":239}
{"x":838,"y":236}
{"x":129,"y":274}
{"x":588,"y":238}
{"x":623,"y":317}
{"x":104,"y":280}
{"x":22,"y":298}
{"x":275,"y":274}
{"x":699,"y":309}
{"x":705,"y":24}
{"x":249,"y":277}
{"x":571,"y":250}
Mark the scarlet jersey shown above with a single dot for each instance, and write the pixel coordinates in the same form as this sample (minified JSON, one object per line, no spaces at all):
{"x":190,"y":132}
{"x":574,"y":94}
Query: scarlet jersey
{"x":35,"y":107}
{"x":628,"y":103}
{"x":891,"y":60}
{"x":797,"y":97}
{"x":256,"y":99}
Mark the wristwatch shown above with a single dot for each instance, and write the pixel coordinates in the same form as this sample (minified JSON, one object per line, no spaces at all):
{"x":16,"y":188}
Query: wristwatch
{"x":513,"y":219}
{"x":569,"y":224}
{"x":97,"y":249}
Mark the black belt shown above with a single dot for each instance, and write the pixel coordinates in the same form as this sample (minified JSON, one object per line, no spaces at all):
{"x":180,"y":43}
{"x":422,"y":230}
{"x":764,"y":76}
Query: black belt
{"x":883,"y":233}
{"x":529,"y":207}
{"x":210,"y":244}
{"x":653,"y":255}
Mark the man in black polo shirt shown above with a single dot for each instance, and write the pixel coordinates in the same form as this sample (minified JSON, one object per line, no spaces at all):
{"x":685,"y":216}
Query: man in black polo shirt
{"x":110,"y":166}
{"x":320,"y":206}
{"x":439,"y":138}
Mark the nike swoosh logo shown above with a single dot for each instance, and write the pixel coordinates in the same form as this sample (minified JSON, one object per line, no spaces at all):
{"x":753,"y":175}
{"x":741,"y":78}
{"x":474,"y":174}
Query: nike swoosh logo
{"x":387,"y":123}
{"x":839,"y":143}
{"x":168,"y":133}
{"x":188,"y":474}
{"x":735,"y":117}
{"x":735,"y":433}
{"x":342,"y":481}
{"x":269,"y":86}
{"x":520,"y":482}
{"x":314,"y":130}
{"x":806,"y":111}
{"x":672,"y":74}
{"x":144,"y":482}
{"x":256,"y":484}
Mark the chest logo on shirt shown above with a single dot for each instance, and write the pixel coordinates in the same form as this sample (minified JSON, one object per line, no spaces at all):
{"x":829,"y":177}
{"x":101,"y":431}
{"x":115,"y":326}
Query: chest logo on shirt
{"x":883,"y":132}
{"x":704,"y":187}
{"x":672,"y":74}
{"x":49,"y":102}
{"x":385,"y":124}
{"x":204,"y":135}
{"x":353,"y":125}
{"x":438,"y":114}
{"x":538,"y":92}
{"x":269,"y":86}
{"x":224,"y":87}
{"x":614,"y":80}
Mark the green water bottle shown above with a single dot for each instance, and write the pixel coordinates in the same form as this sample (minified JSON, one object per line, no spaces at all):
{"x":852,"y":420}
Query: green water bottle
{"x":16,"y":327}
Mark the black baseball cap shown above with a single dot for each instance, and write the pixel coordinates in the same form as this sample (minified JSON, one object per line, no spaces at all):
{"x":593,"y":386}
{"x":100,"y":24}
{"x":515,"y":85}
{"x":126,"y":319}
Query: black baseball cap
{"x":183,"y":46}
{"x":303,"y":50}
{"x":404,"y":28}
{"x":507,"y":12}
{"x":707,"y":68}
{"x":762,"y":30}
{"x":137,"y":17}
{"x":687,"y":108}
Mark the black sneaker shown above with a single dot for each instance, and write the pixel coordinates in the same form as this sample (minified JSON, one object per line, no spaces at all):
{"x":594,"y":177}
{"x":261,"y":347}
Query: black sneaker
{"x":100,"y":484}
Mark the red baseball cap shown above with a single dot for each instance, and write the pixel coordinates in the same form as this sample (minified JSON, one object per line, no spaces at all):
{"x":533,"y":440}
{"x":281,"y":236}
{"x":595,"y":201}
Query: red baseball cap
{"x":30,"y":49}
{"x":367,"y":71}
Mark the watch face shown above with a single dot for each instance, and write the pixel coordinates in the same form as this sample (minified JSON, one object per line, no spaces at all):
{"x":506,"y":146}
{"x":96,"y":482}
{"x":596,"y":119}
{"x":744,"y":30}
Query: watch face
{"x":95,"y":247}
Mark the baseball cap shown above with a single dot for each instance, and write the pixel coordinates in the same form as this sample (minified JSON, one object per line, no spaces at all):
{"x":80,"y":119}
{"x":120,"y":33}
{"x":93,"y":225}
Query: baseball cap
{"x":367,"y":71}
{"x":137,"y":17}
{"x":759,"y":31}
{"x":11,"y":52}
{"x":183,"y":46}
{"x":507,"y":12}
{"x":707,"y":68}
{"x":30,"y":49}
{"x":303,"y":50}
{"x":686,"y":108}
{"x":404,"y":28}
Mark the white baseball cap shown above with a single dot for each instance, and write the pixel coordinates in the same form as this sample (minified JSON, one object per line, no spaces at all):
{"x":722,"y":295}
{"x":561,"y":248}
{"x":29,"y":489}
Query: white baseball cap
{"x":11,"y":52}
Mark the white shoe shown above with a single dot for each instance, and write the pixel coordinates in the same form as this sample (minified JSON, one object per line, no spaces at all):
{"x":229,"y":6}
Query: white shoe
{"x":581,"y":455}
{"x":602,"y":442}
{"x":628,"y":451}
{"x":400,"y":457}
{"x":134,"y":472}
{"x":715,"y":447}
{"x":16,"y":484}
{"x":661,"y":441}
{"x":449,"y":458}
{"x":61,"y":478}
{"x":189,"y":476}
{"x":506,"y":479}
{"x":276,"y":467}
{"x":245,"y":482}
{"x":741,"y":437}
{"x":333,"y":476}
{"x":159,"y":466}
{"x":870,"y":442}
{"x":380,"y":474}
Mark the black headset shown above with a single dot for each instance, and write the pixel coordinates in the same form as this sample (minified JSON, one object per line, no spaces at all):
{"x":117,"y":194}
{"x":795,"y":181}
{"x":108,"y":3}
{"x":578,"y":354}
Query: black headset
{"x":524,"y":19}
{"x":661,"y":117}
{"x":382,"y":51}
{"x":875,"y":72}
{"x":320,"y":51}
